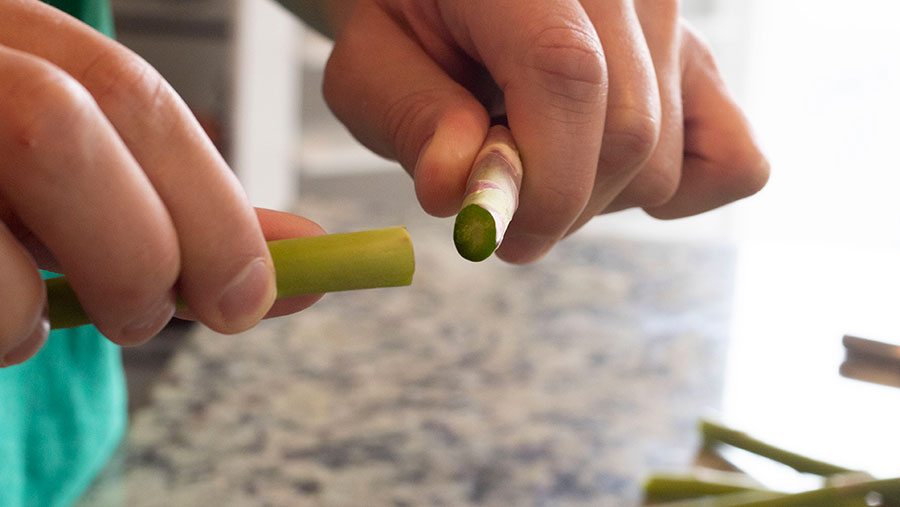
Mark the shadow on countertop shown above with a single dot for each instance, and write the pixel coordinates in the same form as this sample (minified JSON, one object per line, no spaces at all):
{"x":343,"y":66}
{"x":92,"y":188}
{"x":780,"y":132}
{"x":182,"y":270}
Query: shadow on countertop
{"x":144,"y":364}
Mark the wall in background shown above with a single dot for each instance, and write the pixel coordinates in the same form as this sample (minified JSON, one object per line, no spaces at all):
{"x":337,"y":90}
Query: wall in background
{"x":235,"y":64}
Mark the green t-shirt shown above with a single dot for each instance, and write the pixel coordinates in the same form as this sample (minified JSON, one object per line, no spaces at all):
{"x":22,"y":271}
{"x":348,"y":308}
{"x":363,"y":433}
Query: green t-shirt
{"x":63,"y":412}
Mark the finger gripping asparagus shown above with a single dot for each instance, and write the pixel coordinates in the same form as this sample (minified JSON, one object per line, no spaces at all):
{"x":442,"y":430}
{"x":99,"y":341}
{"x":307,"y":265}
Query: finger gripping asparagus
{"x":312,"y":265}
{"x":492,"y":196}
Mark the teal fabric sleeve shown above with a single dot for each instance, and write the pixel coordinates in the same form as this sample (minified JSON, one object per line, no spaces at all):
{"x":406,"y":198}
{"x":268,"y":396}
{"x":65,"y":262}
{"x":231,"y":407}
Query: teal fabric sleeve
{"x":63,"y":412}
{"x":96,"y":13}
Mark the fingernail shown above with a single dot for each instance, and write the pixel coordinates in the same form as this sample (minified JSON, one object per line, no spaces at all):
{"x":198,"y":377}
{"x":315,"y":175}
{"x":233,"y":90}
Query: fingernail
{"x":524,"y":248}
{"x":151,"y":322}
{"x":247,"y":297}
{"x":29,"y":347}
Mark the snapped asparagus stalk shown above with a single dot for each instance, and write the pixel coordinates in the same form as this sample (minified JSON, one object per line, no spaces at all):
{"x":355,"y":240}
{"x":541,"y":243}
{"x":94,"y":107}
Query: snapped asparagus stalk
{"x":702,"y":482}
{"x":887,"y":491}
{"x":714,"y":434}
{"x":492,"y":196}
{"x":740,"y":498}
{"x":860,"y":494}
{"x":312,"y":265}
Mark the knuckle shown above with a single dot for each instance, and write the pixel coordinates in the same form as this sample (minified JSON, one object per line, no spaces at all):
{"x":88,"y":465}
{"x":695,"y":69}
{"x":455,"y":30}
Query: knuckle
{"x":138,"y":298}
{"x":405,"y":121}
{"x":45,"y":104}
{"x":657,"y":183}
{"x":344,"y":100}
{"x":333,"y":91}
{"x":570,"y":63}
{"x":669,"y":9}
{"x":695,"y":48}
{"x":336,"y":85}
{"x":331,"y":81}
{"x":560,"y":203}
{"x":162,"y":264}
{"x":21,"y":311}
{"x":139,"y":271}
{"x":120,"y":78}
{"x":662,"y":10}
{"x":751,"y":172}
{"x":568,"y":53}
{"x":153,"y":270}
{"x":631,"y":136}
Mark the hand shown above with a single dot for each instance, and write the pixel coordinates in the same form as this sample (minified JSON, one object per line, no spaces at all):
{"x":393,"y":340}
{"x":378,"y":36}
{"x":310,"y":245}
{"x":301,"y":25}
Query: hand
{"x":613,"y":104}
{"x":106,"y":176}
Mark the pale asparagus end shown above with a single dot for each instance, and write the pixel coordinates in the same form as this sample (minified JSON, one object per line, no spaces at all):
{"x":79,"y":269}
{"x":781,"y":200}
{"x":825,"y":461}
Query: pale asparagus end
{"x":492,"y":196}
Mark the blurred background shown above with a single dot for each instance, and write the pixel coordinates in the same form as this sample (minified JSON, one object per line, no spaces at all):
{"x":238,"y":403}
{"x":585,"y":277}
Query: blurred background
{"x":816,"y":79}
{"x":810,"y":258}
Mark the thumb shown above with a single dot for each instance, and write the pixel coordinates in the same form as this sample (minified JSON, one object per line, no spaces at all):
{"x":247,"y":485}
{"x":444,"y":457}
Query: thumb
{"x":396,"y":100}
{"x":280,"y":225}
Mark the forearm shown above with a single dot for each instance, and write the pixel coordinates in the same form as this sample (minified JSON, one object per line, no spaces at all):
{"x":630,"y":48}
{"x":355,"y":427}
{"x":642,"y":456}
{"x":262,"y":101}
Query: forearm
{"x":325,"y":16}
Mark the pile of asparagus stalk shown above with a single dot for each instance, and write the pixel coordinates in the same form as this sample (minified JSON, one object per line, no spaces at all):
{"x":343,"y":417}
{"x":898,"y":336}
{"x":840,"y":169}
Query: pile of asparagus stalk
{"x":841,"y":487}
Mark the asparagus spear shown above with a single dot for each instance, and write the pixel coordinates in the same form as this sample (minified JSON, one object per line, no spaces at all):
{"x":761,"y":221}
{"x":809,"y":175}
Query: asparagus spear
{"x":734,"y":499}
{"x":887,"y":490}
{"x":313,"y":265}
{"x":702,"y":482}
{"x":714,"y":434}
{"x":843,"y":487}
{"x":492,"y":196}
{"x":854,"y":495}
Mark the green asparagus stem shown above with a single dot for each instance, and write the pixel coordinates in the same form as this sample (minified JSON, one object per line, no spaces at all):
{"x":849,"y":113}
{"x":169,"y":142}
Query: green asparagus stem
{"x":492,"y":196}
{"x":313,"y":265}
{"x":63,"y":307}
{"x":340,"y":262}
{"x":853,"y":495}
{"x":668,"y":487}
{"x":714,"y":433}
{"x":726,"y":500}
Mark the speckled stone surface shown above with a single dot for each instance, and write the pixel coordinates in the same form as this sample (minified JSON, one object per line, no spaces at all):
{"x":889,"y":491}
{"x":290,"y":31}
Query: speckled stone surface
{"x":561,"y":383}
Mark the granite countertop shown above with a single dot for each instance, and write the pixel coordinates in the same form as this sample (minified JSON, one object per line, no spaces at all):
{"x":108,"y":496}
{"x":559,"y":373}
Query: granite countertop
{"x":561,"y":383}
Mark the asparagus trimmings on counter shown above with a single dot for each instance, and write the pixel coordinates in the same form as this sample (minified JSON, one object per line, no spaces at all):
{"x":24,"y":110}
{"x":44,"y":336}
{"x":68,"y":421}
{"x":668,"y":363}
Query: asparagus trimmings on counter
{"x":312,"y":265}
{"x":492,"y":196}
{"x":714,"y":434}
{"x":841,"y":486}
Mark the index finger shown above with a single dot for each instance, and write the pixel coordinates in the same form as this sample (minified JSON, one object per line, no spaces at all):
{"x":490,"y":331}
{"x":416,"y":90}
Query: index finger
{"x":227,"y":276}
{"x":549,"y":63}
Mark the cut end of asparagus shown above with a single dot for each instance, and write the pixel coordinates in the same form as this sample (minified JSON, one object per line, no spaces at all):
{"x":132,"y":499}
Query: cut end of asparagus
{"x":492,"y":196}
{"x":475,"y":233}
{"x":63,"y":308}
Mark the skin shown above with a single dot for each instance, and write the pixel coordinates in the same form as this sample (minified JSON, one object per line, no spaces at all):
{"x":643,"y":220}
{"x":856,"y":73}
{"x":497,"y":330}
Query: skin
{"x":101,"y":164}
{"x":613,"y":103}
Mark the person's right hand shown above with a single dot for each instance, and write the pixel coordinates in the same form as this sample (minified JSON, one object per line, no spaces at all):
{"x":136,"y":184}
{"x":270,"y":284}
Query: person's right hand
{"x":106,"y":176}
{"x":613,"y":104}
